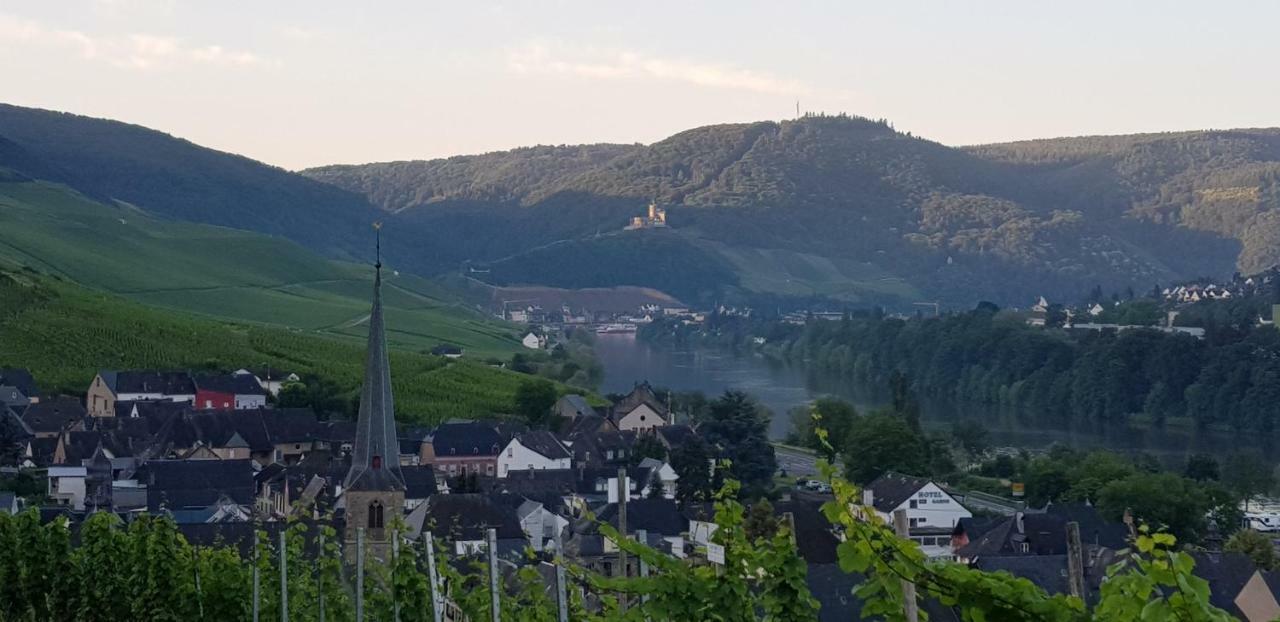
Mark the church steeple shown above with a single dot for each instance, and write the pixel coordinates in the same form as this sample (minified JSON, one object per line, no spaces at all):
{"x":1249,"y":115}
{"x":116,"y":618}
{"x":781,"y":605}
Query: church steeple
{"x":375,"y":464}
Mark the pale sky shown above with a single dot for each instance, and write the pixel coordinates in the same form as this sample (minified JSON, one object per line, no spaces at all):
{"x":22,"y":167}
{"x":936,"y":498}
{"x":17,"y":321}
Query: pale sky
{"x":302,"y":83}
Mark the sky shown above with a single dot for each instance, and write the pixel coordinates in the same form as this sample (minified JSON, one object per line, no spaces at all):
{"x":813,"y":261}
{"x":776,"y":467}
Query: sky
{"x":306,"y":83}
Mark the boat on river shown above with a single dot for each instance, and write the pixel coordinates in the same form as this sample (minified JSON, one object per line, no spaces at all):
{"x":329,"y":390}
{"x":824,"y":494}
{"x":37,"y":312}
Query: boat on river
{"x":618,"y":327}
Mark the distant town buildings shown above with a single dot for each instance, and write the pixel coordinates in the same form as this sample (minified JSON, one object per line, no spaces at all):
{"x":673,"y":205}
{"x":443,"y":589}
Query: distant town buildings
{"x":656,"y":218}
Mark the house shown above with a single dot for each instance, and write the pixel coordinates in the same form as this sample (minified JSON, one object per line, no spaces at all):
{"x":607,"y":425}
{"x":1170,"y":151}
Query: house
{"x":677,"y":435}
{"x":572,"y":407}
{"x":530,"y":451}
{"x":419,"y":485}
{"x":662,"y":476}
{"x":66,"y":485}
{"x":447,"y":350}
{"x":464,"y":447}
{"x":639,"y":410}
{"x":272,"y":380}
{"x":932,"y":513}
{"x":109,"y":386}
{"x":13,"y":428}
{"x":199,"y":490}
{"x":1039,"y":314}
{"x":229,"y":392}
{"x":49,"y":418}
{"x":463,"y":520}
{"x":22,"y":381}
{"x":532,"y":341}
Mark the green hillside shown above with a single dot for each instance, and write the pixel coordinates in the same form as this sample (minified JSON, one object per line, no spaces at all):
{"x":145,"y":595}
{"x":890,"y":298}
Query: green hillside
{"x":64,"y":333}
{"x":225,"y":273}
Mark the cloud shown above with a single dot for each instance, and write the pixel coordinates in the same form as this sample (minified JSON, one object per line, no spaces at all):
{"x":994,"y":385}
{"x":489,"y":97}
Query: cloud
{"x":133,"y":51}
{"x":547,"y":58}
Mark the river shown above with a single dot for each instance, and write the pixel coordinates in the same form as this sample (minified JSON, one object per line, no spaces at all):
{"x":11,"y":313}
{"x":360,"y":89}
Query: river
{"x":780,"y":388}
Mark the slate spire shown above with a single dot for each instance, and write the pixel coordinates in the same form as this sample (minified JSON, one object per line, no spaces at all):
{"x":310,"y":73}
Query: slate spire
{"x":375,"y":462}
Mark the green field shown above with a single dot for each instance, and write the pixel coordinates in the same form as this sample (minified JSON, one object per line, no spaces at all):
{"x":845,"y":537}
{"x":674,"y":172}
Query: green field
{"x":65,"y":333}
{"x":226,"y":273}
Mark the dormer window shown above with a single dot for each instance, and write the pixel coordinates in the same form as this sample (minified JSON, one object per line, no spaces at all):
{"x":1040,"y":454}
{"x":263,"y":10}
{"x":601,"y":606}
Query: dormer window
{"x":377,"y":462}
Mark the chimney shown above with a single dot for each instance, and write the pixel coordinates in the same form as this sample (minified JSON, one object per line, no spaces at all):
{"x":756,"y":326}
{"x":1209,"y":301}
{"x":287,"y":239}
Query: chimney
{"x":868,"y":497}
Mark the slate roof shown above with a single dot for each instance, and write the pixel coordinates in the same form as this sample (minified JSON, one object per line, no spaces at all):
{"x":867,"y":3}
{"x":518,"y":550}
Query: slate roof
{"x":1048,"y":572}
{"x":472,"y":438}
{"x":641,"y":394}
{"x":10,"y":420}
{"x":21,"y":379}
{"x":893,"y":489}
{"x":545,"y":444}
{"x":676,"y":435}
{"x":541,"y":483}
{"x":191,"y":484}
{"x":8,"y":502}
{"x":814,"y":536}
{"x":1043,"y":534}
{"x":10,"y":394}
{"x":146,"y":381}
{"x":42,"y":450}
{"x":467,"y":517}
{"x":242,"y":384}
{"x":419,"y":481}
{"x":653,"y":515}
{"x":54,"y":414}
{"x":577,"y":403}
{"x":1094,"y":529}
{"x":1227,"y":574}
{"x":149,"y":408}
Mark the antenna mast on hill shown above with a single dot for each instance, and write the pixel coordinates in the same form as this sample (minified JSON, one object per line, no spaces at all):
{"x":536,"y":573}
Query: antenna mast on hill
{"x":797,"y":109}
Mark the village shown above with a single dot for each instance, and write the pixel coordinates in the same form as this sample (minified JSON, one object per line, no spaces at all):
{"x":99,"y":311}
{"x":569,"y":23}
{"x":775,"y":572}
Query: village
{"x":212,"y":454}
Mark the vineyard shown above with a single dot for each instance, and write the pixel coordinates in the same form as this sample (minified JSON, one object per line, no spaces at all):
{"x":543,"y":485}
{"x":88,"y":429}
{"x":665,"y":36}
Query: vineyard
{"x":225,"y":273}
{"x":65,"y":334}
{"x":103,"y":570}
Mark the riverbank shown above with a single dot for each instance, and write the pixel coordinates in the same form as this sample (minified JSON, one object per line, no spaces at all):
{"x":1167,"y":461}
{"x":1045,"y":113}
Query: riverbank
{"x":781,"y":387}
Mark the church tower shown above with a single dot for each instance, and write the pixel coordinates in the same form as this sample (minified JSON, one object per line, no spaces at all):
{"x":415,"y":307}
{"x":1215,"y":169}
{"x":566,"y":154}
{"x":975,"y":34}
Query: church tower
{"x":374,"y":487}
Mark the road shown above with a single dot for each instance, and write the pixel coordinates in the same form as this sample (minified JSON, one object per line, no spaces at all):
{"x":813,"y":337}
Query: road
{"x":796,"y":462}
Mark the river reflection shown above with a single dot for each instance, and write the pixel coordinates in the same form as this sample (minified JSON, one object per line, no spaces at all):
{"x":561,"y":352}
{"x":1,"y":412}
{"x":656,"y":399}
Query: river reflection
{"x":781,"y":387}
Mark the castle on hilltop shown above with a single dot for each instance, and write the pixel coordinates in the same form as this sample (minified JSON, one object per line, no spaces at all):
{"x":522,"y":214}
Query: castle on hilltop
{"x":657,"y":218}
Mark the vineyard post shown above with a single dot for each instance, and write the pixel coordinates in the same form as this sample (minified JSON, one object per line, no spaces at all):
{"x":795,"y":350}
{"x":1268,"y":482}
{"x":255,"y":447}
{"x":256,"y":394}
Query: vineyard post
{"x":436,"y":598}
{"x":1075,"y":561}
{"x":623,"y":493}
{"x":643,"y":536}
{"x":284,"y":577}
{"x":195,"y":566}
{"x":910,"y":609}
{"x":395,"y":557}
{"x":320,"y":578}
{"x":360,"y":574}
{"x":256,"y":576}
{"x":562,"y":596}
{"x":495,"y":606}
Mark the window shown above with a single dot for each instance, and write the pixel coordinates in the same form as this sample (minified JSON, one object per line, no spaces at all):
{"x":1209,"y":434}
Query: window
{"x":913,"y":522}
{"x":511,"y":452}
{"x":375,"y":515}
{"x":913,"y":504}
{"x":377,"y":462}
{"x":208,"y":403}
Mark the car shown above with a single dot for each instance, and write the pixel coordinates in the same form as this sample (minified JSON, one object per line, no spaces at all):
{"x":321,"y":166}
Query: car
{"x":803,"y":483}
{"x":821,"y":487}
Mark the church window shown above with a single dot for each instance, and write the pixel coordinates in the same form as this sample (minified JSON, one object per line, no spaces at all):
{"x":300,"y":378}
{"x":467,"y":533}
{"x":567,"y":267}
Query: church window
{"x":375,"y":515}
{"x":377,"y":462}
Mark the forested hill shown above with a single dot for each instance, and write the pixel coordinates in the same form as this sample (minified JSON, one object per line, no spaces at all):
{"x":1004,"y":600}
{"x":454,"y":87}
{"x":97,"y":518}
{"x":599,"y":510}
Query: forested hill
{"x":1049,"y":215}
{"x":834,"y":208}
{"x":178,"y":179}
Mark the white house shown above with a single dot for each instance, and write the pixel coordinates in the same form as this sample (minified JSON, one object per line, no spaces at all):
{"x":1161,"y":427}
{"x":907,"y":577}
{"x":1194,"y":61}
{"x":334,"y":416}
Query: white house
{"x":533,"y":451}
{"x":66,"y":485}
{"x":639,"y":410}
{"x":932,"y":513}
{"x":531,"y":341}
{"x":665,"y":475}
{"x":270,"y":380}
{"x":540,"y":525}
